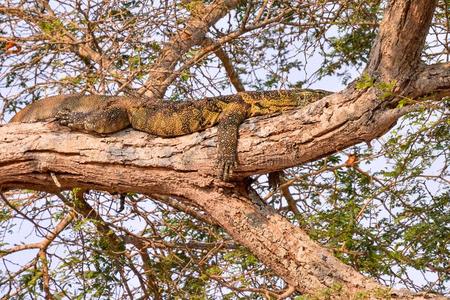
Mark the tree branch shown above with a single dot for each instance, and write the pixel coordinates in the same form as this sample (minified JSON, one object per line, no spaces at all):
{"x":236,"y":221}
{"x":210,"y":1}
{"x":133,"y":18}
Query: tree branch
{"x":193,"y":34}
{"x":396,"y":53}
{"x":226,"y":61}
{"x":432,"y":80}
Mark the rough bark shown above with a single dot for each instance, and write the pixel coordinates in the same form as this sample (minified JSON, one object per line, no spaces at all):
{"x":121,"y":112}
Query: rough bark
{"x":432,"y":80}
{"x":396,"y":54}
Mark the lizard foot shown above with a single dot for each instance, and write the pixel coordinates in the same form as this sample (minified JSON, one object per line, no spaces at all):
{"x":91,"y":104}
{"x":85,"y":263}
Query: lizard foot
{"x":74,"y":120}
{"x":226,"y":166}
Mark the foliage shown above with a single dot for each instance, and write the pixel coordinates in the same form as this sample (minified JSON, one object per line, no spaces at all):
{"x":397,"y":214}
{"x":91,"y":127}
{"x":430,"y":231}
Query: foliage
{"x":387,"y":216}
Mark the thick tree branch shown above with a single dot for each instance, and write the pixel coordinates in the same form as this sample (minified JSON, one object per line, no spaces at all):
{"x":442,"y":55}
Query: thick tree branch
{"x":432,"y":80}
{"x":324,"y":127}
{"x":134,"y":161}
{"x":396,"y":53}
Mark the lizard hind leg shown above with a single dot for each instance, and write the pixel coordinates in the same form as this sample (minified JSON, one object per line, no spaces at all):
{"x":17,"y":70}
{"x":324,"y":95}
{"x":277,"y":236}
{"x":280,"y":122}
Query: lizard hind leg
{"x":111,"y":119}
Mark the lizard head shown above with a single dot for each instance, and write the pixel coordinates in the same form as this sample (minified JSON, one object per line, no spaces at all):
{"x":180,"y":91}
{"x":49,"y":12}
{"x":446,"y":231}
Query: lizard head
{"x":277,"y":101}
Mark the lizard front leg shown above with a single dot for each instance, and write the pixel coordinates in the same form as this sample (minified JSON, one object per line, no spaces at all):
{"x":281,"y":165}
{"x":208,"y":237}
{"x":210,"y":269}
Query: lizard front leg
{"x":107,"y":120}
{"x":227,"y":133}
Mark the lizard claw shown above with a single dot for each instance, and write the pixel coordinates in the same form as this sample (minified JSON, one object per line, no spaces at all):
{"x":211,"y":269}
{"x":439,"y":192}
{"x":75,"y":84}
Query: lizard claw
{"x":70,"y":119}
{"x":226,"y":167}
{"x":63,"y":117}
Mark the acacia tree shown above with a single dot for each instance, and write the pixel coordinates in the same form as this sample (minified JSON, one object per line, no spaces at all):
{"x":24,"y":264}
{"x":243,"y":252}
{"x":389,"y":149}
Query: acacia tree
{"x":335,"y":227}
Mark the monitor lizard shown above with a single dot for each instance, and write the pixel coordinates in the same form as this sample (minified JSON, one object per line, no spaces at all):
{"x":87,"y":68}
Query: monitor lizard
{"x":107,"y":114}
